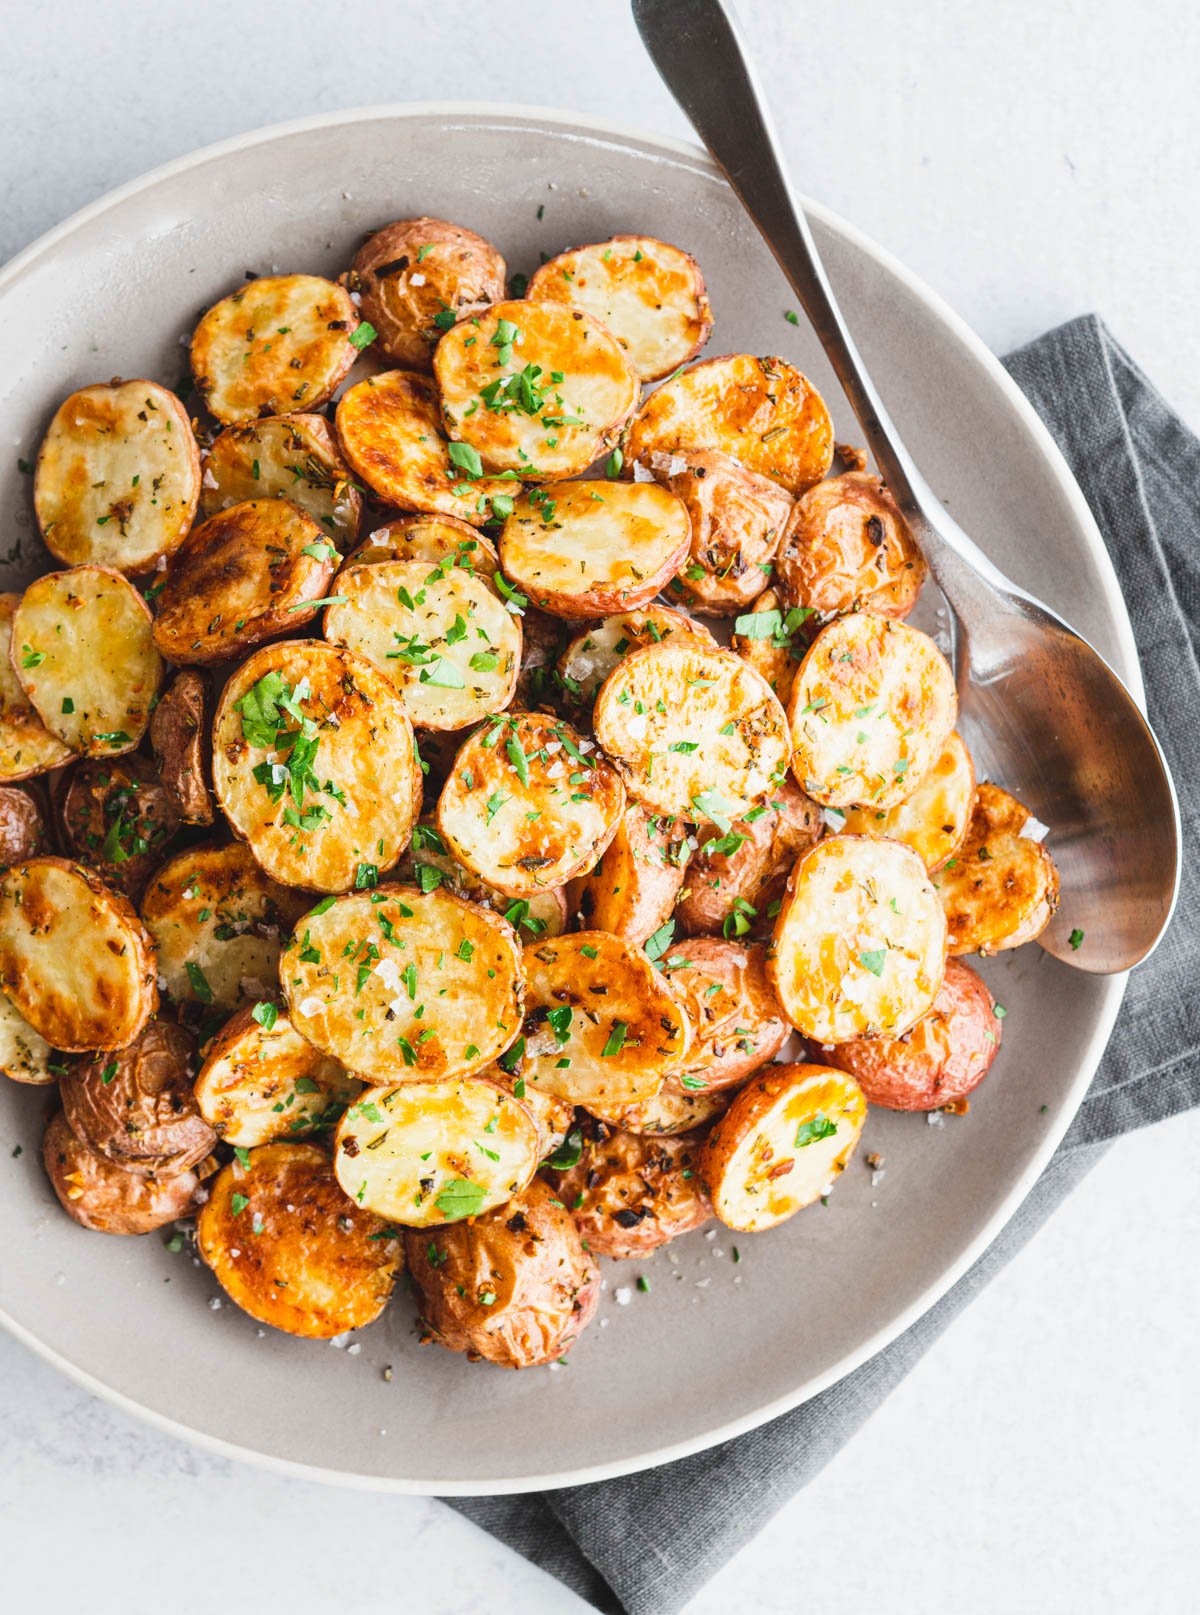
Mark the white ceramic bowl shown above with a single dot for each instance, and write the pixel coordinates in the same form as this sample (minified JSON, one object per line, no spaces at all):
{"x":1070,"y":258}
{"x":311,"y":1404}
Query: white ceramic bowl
{"x":716,"y":1346}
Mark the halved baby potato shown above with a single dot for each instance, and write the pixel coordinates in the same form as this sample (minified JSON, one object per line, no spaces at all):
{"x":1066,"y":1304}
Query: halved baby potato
{"x":632,"y":890}
{"x":592,"y":654}
{"x":441,"y":635}
{"x":648,"y":294}
{"x":249,"y":573}
{"x":761,"y":412}
{"x":83,"y":650}
{"x":534,"y":388}
{"x":262,"y":1081}
{"x":734,"y":876}
{"x":428,"y":863}
{"x":277,"y":344}
{"x":24,"y":832}
{"x":774,"y":639}
{"x":870,"y":711}
{"x":1001,"y":887}
{"x":860,"y":942}
{"x":400,"y":984}
{"x":736,"y":1021}
{"x":98,"y":1194}
{"x":314,"y":765}
{"x":75,"y":960}
{"x":425,"y":1153}
{"x":27,"y":747}
{"x":218,"y":924}
{"x":25,"y":1056}
{"x":180,"y":741}
{"x":437,"y":540}
{"x":595,"y":548}
{"x":631,"y":1192}
{"x":391,"y":432}
{"x":781,"y":1144}
{"x":848,"y":548}
{"x":290,"y":1249}
{"x":694,"y":731}
{"x":115,"y":817}
{"x":417,"y":277}
{"x":529,"y":803}
{"x":292,"y":457}
{"x":673,"y":1109}
{"x":738,"y":519}
{"x":933,"y":821}
{"x":118,"y":477}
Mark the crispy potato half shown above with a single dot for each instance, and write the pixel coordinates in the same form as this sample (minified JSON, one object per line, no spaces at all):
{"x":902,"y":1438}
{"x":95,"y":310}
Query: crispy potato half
{"x":136,"y":1106}
{"x":593,"y":653}
{"x":425,"y":1153}
{"x":534,"y":389}
{"x":631,"y":1193}
{"x":515,"y":1286}
{"x":391,"y":432}
{"x":1001,"y":887}
{"x":218,"y":924}
{"x":933,"y":821}
{"x":25,"y":1056}
{"x":848,"y":548}
{"x":870,"y":711}
{"x":261,"y":1081}
{"x":118,"y":477}
{"x":733,"y":876}
{"x":432,"y":539}
{"x":738,"y":519}
{"x":179,"y":739}
{"x":773,"y":639}
{"x":529,"y":803}
{"x":596,"y":547}
{"x":736,"y":1022}
{"x":23,"y":830}
{"x":600,"y":1024}
{"x":632,"y":890}
{"x":781,"y":1144}
{"x":83,"y":650}
{"x":292,"y":457}
{"x":279,"y":343}
{"x":400,"y":984}
{"x":288,"y":1247}
{"x":252,"y":572}
{"x":27,"y":747}
{"x":555,"y":1117}
{"x":74,"y":958}
{"x":441,"y":634}
{"x":694,"y":731}
{"x":673,"y":1109}
{"x":97,"y":1194}
{"x":761,"y":412}
{"x":648,"y":294}
{"x":314,"y":765}
{"x":417,"y":277}
{"x":860,"y":942}
{"x":117,"y":818}
{"x":429,"y":864}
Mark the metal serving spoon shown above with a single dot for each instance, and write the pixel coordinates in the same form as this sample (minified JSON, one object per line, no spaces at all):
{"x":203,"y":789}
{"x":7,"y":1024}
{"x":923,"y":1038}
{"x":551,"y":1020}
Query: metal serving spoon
{"x":1043,"y":713}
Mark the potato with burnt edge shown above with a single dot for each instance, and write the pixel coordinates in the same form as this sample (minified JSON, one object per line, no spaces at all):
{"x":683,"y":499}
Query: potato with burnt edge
{"x":631,"y":1193}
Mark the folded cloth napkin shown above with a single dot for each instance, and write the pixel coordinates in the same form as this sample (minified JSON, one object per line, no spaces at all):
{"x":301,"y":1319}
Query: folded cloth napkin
{"x":647,"y":1543}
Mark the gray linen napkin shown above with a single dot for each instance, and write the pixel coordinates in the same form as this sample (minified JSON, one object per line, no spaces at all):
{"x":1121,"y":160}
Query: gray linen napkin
{"x":646,"y":1544}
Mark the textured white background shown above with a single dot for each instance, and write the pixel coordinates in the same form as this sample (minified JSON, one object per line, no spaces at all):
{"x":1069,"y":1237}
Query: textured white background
{"x":1030,"y":161}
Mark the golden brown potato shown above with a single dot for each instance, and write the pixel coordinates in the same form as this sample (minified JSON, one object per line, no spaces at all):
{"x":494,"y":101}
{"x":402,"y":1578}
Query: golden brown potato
{"x":673,"y":1109}
{"x":631,"y":1193}
{"x":117,"y":819}
{"x":432,"y":539}
{"x":761,"y":412}
{"x":291,"y":1250}
{"x":74,"y":958}
{"x":648,"y":294}
{"x":292,"y":457}
{"x":250,"y":573}
{"x":933,"y":821}
{"x":740,"y":873}
{"x":736,"y":1021}
{"x":554,"y":1117}
{"x":279,"y":343}
{"x":774,"y":639}
{"x":179,"y":739}
{"x":25,"y":1056}
{"x":27,"y":747}
{"x":632,"y":890}
{"x":592,"y":654}
{"x":428,"y":863}
{"x":738,"y":520}
{"x":515,"y":1286}
{"x":1001,"y":888}
{"x":136,"y":1107}
{"x":99,"y":1195}
{"x":118,"y":477}
{"x":848,"y":548}
{"x":23,"y":832}
{"x":418,"y":277}
{"x":262,"y":1081}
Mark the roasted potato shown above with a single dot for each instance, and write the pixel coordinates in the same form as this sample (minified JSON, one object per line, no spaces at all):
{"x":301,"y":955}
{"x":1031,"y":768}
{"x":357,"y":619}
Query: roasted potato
{"x":250,"y":573}
{"x":538,"y":686}
{"x":23,"y":832}
{"x":932,"y":821}
{"x":534,"y":389}
{"x":774,"y":639}
{"x":736,"y":1022}
{"x":633,"y":888}
{"x":694,"y":731}
{"x":554,"y":1117}
{"x":180,"y":741}
{"x":117,"y":818}
{"x":218,"y":925}
{"x":860,"y":942}
{"x":741,"y":872}
{"x":515,"y":1286}
{"x":292,"y":457}
{"x":848,"y":548}
{"x":592,"y":654}
{"x":118,"y":477}
{"x":529,"y":803}
{"x":673,"y":1109}
{"x":425,"y":1153}
{"x":279,"y":343}
{"x":781,"y":1144}
{"x":27,"y":747}
{"x":648,"y":294}
{"x":314,"y":765}
{"x":25,"y":1056}
{"x":1001,"y":887}
{"x":400,"y":984}
{"x":938,"y":1061}
{"x":83,"y":650}
{"x":631,"y":1193}
{"x":74,"y":958}
{"x":416,"y":278}
{"x":291,"y":1250}
{"x":428,"y":864}
{"x":262,"y":1081}
{"x":136,"y":1107}
{"x":761,"y":412}
{"x":97,"y":1194}
{"x":432,"y":539}
{"x":738,"y":519}
{"x":869,"y":711}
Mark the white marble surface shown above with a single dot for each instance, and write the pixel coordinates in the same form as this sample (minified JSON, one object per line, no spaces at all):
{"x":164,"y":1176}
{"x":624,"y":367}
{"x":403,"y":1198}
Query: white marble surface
{"x":1030,"y":162}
